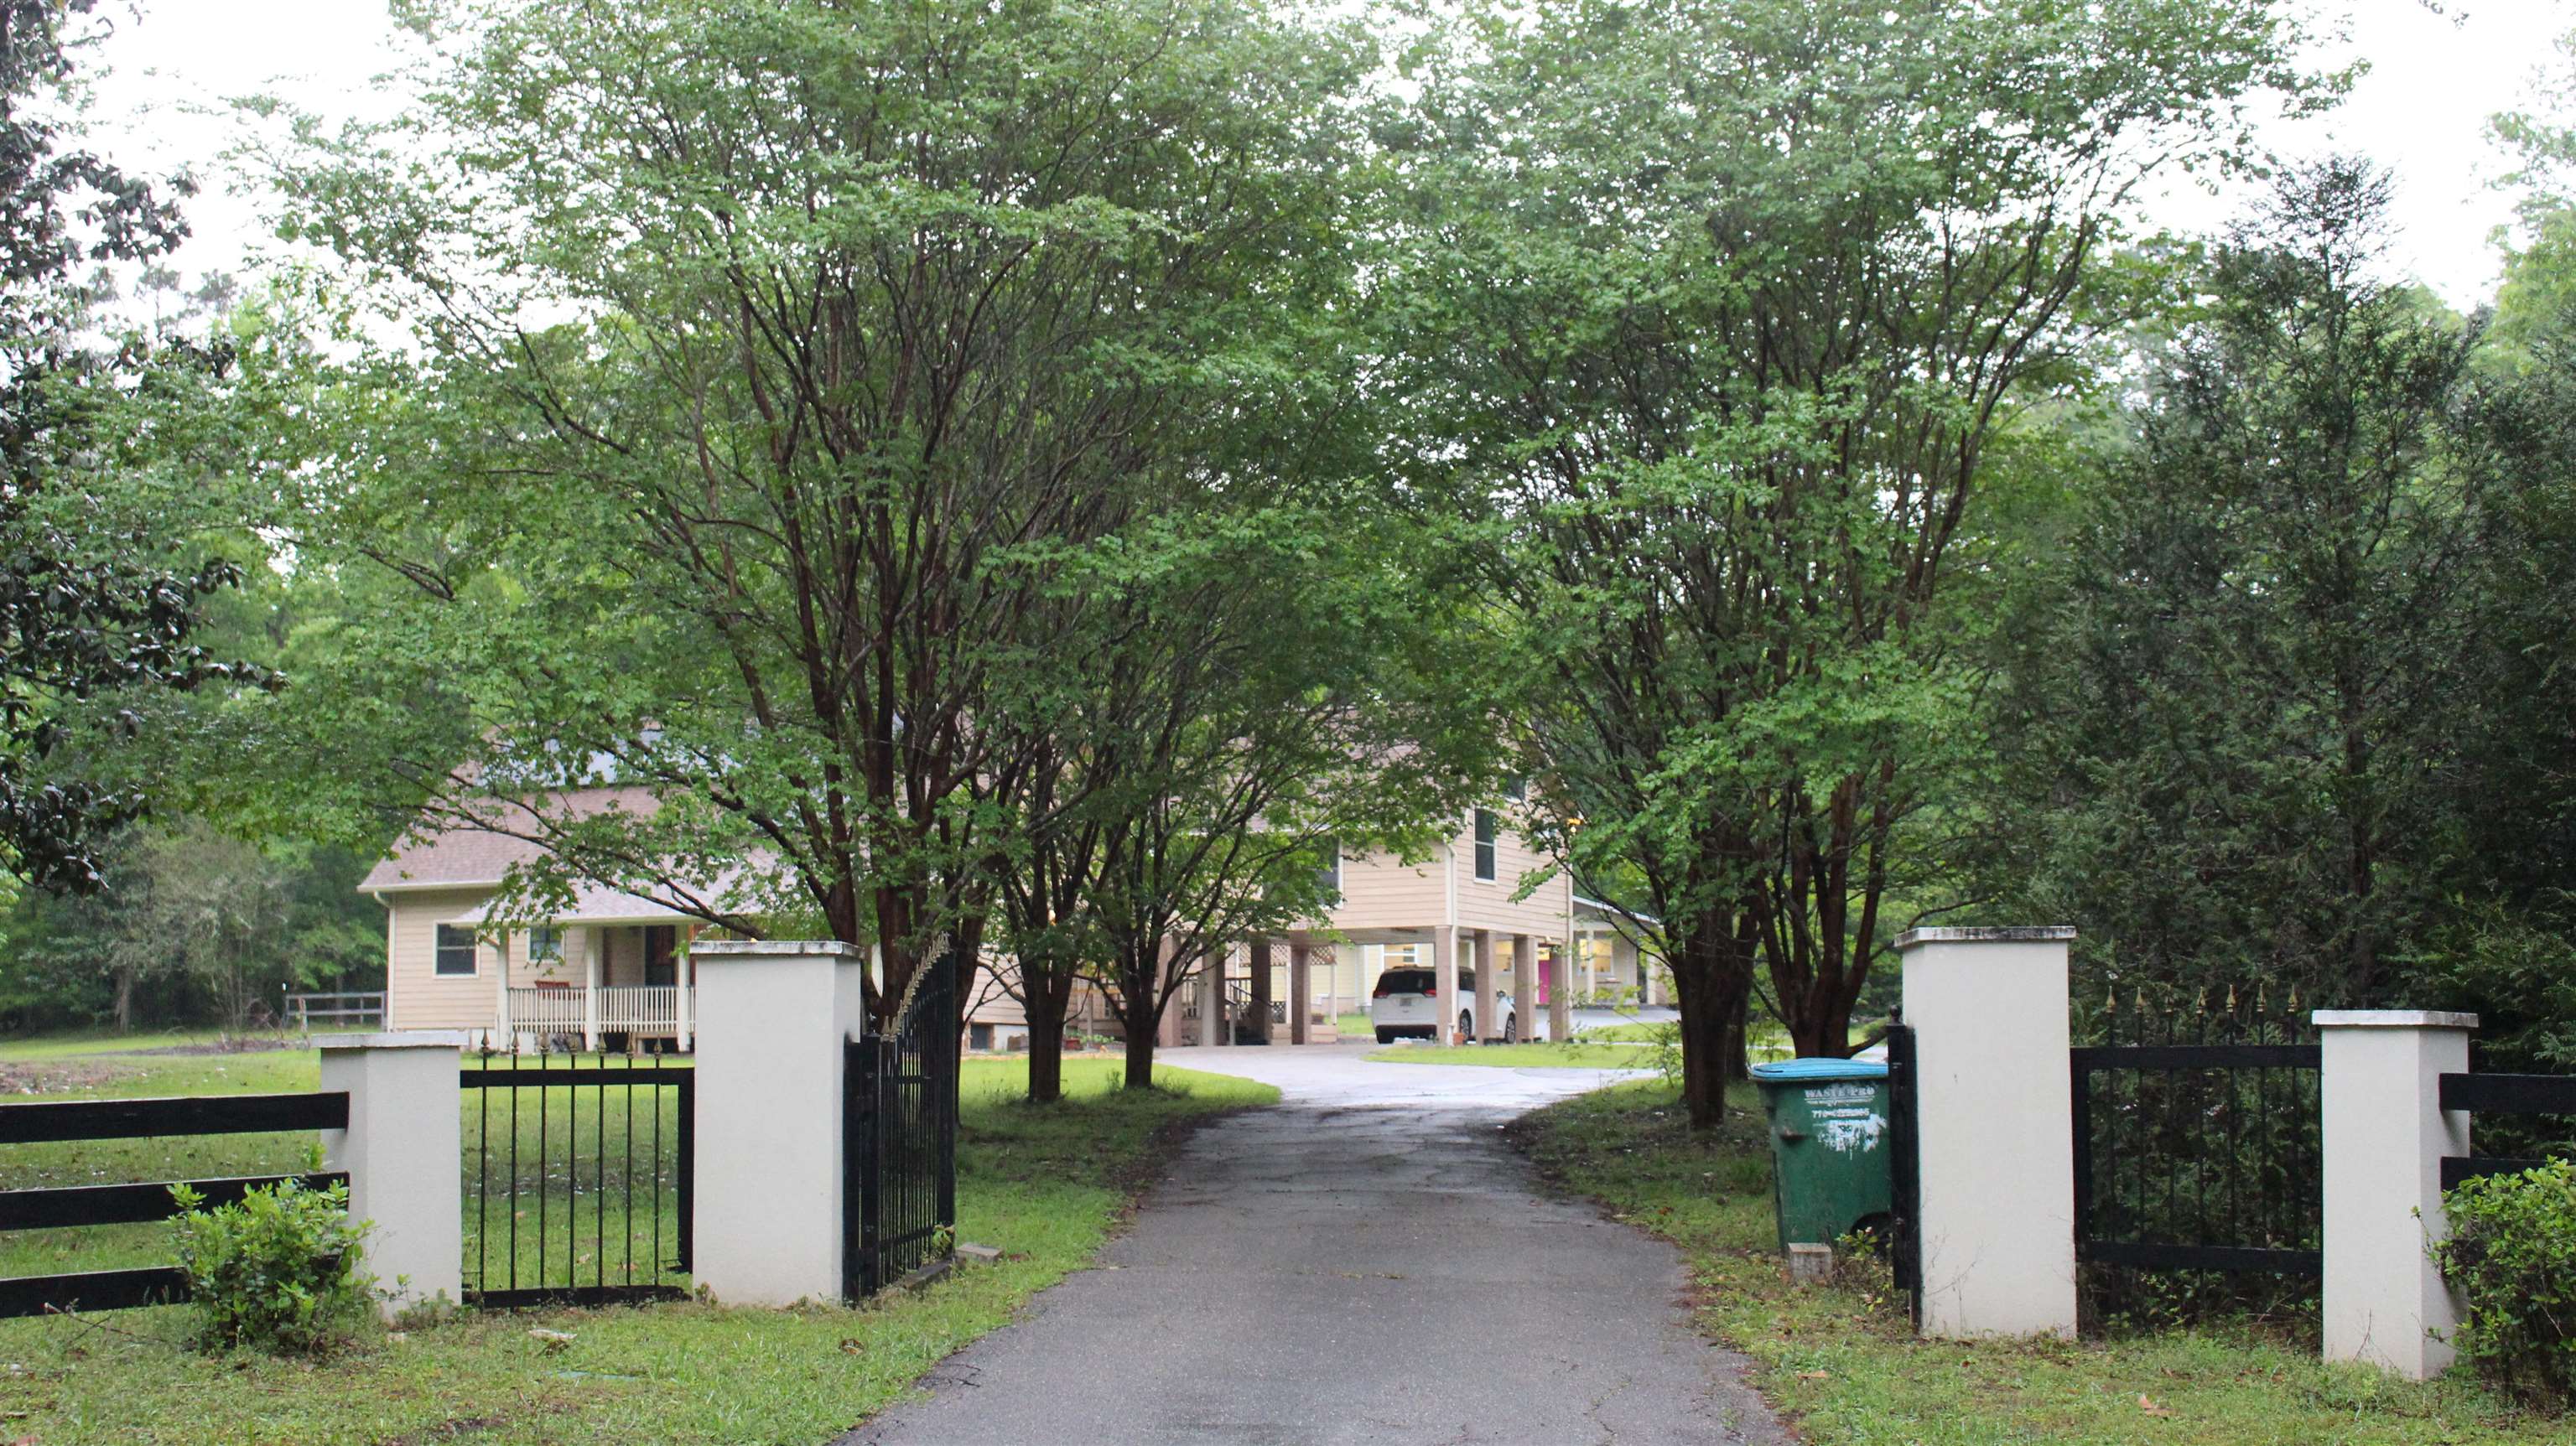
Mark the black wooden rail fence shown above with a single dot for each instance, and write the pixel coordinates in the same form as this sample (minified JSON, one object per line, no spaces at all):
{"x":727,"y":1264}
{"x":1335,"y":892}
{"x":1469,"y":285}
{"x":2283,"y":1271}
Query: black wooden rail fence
{"x":899,"y":1138}
{"x":582,"y":1196}
{"x":2502,"y":1094}
{"x":2196,"y":1147}
{"x":81,"y":1205}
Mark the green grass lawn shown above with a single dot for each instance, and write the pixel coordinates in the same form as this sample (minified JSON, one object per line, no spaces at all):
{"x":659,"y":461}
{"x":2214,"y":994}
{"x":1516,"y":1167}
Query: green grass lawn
{"x":1046,"y":1185}
{"x":1354,"y":1025}
{"x":1844,"y":1365}
{"x":1577,"y":1055}
{"x":64,"y":1043}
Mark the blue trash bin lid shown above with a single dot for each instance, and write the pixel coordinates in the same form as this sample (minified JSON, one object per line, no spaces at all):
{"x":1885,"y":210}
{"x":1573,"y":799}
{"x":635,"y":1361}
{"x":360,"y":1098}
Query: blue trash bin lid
{"x":1795,"y":1071}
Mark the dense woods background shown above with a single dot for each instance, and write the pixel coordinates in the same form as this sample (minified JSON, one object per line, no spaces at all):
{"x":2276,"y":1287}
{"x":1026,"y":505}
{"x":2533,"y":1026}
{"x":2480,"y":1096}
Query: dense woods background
{"x":1044,"y":473}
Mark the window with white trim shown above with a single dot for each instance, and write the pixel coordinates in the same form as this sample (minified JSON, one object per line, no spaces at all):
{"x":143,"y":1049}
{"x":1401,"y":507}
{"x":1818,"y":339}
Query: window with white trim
{"x":455,"y":951}
{"x":545,"y":945}
{"x":1485,"y":828}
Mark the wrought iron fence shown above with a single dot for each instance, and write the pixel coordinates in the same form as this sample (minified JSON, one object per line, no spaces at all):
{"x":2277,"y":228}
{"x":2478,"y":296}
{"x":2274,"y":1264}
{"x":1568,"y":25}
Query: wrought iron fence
{"x":900,"y":1141}
{"x":1904,"y":1169}
{"x":577,"y":1180}
{"x":2197,"y":1156}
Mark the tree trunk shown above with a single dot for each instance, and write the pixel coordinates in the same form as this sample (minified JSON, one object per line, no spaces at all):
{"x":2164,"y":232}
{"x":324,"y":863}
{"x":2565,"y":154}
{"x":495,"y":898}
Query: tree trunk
{"x":1738,"y":1053}
{"x":124,"y":1001}
{"x":1046,"y":1051}
{"x":1712,"y":981}
{"x":1140,"y":1056}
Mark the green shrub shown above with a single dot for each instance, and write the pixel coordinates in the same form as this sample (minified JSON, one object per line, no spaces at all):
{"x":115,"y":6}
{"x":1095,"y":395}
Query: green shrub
{"x":2512,"y":1258}
{"x":277,"y":1272}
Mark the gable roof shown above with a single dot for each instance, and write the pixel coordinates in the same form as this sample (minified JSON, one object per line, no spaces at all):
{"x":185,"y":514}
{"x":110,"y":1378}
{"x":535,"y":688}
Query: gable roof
{"x":464,"y":854}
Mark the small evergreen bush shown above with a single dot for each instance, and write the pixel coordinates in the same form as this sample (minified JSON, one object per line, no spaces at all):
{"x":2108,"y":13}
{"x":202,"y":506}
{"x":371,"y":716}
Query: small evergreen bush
{"x":2512,"y":1258}
{"x":277,"y":1272}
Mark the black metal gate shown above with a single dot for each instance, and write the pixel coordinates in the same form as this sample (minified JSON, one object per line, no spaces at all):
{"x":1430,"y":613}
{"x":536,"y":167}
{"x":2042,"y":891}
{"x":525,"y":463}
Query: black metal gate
{"x":899,"y":1140}
{"x":579,"y":1180}
{"x":1904,"y":1168}
{"x":2197,"y":1156}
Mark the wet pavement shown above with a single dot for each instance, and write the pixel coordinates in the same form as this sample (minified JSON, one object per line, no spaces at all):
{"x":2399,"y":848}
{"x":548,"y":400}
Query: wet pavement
{"x":1367,"y":1262}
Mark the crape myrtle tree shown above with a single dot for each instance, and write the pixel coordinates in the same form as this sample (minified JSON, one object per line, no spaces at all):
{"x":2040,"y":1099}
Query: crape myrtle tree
{"x":1716,"y":315}
{"x":1249,"y":700}
{"x":754,"y":350}
{"x":98,"y":597}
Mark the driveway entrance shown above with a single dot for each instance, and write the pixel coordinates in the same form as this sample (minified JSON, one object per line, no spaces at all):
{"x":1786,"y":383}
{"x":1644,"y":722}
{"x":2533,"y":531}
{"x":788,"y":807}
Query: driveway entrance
{"x":1368,"y":1262}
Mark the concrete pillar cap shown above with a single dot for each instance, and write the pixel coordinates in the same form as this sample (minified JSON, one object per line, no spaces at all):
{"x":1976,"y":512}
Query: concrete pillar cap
{"x":2009,"y":934}
{"x":394,"y":1039}
{"x":776,"y":949}
{"x":2392,"y":1019}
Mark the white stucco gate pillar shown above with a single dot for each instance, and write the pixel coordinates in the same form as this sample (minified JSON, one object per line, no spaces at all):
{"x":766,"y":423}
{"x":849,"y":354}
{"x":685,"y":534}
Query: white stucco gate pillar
{"x":2384,"y":1136}
{"x":401,"y":1149}
{"x":772,"y":1021}
{"x":1993,"y":1102}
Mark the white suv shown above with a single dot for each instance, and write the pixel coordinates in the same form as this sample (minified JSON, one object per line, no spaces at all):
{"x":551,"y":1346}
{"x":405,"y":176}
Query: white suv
{"x":1406,"y":1004}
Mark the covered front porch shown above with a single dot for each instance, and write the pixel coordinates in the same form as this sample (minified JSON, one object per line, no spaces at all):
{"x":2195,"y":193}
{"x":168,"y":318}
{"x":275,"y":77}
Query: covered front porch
{"x":610,"y":972}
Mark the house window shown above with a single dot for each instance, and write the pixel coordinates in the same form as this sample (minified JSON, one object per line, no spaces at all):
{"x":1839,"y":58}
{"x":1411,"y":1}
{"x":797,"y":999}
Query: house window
{"x":545,"y":946}
{"x":455,"y":950}
{"x":979,"y":1038}
{"x":1485,"y":845}
{"x":1328,"y":866}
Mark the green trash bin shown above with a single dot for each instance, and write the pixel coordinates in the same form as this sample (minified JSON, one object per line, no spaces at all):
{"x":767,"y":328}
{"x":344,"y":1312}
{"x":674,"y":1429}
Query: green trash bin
{"x":1829,"y":1146}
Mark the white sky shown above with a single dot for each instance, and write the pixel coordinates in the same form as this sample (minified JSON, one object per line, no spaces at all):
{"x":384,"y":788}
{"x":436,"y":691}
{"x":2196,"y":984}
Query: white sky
{"x":2422,"y":111}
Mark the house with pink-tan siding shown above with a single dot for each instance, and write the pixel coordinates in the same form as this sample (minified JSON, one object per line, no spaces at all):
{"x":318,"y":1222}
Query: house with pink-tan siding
{"x":610,"y":969}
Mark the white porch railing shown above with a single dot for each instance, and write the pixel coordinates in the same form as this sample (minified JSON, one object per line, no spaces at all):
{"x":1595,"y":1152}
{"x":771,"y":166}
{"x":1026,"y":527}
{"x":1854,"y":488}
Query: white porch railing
{"x":656,"y":1010}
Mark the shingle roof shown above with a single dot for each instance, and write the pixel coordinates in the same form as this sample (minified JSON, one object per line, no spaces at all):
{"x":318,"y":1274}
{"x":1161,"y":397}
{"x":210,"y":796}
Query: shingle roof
{"x":462,"y":854}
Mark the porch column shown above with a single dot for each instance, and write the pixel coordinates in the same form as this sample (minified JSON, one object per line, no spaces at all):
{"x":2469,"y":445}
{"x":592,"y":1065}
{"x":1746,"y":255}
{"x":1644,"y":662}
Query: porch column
{"x":501,"y":1010}
{"x":594,"y":972}
{"x":1525,"y":984}
{"x":1560,"y":991}
{"x":768,"y":1174}
{"x":1262,"y":955}
{"x":1212,"y":1028}
{"x":687,"y":975}
{"x":1996,"y":1225}
{"x":1301,"y":992}
{"x":1444,"y":978}
{"x":401,"y":1149}
{"x":1488,"y":1026}
{"x":2384,"y":1136}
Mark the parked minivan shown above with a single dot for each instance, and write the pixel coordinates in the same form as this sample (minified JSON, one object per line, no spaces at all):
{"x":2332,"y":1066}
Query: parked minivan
{"x":1405,"y":1004}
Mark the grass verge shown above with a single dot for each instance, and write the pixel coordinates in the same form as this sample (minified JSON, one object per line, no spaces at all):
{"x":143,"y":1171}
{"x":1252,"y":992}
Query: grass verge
{"x":1842,"y":1362}
{"x":1044,"y":1184}
{"x":1577,"y":1055}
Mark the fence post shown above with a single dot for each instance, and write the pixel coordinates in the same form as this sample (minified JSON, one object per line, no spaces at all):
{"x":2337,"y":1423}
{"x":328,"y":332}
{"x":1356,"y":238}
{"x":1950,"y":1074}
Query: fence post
{"x":1995,"y":1134}
{"x":767,"y":1199}
{"x":2383,"y":1138}
{"x":403,"y":1149}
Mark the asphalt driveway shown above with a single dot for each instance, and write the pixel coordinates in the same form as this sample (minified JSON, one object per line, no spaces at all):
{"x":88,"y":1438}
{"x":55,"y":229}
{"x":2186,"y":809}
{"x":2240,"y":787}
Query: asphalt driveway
{"x":1366,"y":1263}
